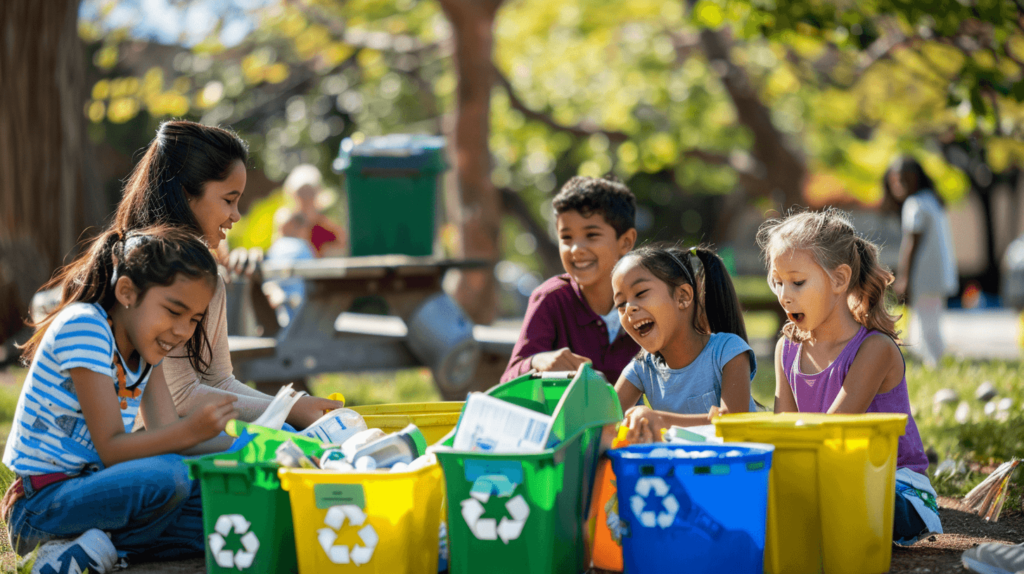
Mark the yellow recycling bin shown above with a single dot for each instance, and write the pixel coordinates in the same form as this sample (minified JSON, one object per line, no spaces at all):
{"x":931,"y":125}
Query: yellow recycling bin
{"x":831,"y":489}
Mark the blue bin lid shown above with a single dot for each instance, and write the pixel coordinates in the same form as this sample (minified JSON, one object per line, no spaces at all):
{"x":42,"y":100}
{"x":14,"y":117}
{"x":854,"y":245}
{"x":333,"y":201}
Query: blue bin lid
{"x":728,"y":453}
{"x":395,"y":147}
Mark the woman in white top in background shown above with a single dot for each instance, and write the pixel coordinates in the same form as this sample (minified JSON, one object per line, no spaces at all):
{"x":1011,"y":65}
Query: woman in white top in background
{"x":927,"y":273}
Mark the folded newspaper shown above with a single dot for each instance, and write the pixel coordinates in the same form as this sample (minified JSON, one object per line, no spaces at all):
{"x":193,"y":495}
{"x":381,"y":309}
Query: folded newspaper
{"x":493,"y":425}
{"x":986,"y":499}
{"x":702,"y":433}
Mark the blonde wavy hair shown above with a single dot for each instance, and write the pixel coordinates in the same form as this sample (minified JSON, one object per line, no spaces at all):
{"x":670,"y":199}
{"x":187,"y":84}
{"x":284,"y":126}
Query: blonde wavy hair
{"x":831,"y":239}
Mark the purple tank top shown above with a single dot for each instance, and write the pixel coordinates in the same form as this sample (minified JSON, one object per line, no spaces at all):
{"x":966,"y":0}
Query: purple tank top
{"x":816,"y":393}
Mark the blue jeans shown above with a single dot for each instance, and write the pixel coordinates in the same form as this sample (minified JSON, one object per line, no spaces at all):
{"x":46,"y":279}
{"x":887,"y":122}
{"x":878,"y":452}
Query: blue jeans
{"x":149,"y":506}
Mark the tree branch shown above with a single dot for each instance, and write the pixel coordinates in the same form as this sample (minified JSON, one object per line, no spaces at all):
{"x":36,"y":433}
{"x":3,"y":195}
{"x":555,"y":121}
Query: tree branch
{"x":582,"y":130}
{"x":513,"y":203}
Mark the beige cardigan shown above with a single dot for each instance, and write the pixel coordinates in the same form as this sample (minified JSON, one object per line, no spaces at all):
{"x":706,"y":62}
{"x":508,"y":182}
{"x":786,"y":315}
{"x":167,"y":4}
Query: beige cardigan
{"x":188,"y":387}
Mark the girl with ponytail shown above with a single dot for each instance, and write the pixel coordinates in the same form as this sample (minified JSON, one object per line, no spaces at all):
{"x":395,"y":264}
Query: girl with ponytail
{"x":88,"y":489}
{"x":681,"y":308}
{"x":839,"y":352}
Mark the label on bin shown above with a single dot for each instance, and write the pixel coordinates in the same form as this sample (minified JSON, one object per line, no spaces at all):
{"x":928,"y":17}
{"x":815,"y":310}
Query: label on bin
{"x":328,"y":495}
{"x":510,"y":469}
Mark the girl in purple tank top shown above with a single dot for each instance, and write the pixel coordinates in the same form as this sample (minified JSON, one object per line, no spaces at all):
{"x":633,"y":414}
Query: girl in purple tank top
{"x":839,"y":352}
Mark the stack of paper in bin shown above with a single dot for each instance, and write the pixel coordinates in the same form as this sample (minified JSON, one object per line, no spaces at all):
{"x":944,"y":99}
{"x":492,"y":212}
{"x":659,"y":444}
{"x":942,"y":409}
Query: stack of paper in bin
{"x":986,"y":499}
{"x":489,"y":424}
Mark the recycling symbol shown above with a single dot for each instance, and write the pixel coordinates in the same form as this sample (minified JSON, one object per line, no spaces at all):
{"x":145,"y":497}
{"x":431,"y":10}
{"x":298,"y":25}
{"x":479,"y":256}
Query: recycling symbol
{"x":489,"y":528}
{"x":649,"y":518}
{"x":250,"y":544}
{"x":340,"y":554}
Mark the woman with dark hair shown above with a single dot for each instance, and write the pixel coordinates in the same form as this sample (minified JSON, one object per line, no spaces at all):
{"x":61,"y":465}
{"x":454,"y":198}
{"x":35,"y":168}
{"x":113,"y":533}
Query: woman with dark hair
{"x":927,"y":272}
{"x":192,"y":176}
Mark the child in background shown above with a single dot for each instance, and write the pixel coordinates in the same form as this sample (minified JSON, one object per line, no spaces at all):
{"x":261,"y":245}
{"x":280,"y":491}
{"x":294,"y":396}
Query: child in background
{"x":839,"y":352}
{"x":927,"y":273}
{"x":570,"y":319}
{"x":285,"y":295}
{"x":681,"y":307}
{"x":304,"y":185}
{"x":96,"y":364}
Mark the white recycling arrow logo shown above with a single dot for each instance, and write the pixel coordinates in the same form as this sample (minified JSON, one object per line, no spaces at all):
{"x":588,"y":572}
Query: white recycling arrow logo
{"x":489,"y":528}
{"x":250,"y":543}
{"x":649,"y":518}
{"x":340,"y":554}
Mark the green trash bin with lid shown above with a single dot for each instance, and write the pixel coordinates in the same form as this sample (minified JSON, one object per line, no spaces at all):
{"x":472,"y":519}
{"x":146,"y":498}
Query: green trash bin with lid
{"x":392,"y":183}
{"x":537,"y":503}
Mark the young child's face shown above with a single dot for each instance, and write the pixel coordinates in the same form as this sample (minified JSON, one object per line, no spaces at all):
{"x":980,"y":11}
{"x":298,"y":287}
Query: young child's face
{"x":805,"y":291}
{"x":166,"y":317}
{"x":648,"y":310}
{"x":588,"y":247}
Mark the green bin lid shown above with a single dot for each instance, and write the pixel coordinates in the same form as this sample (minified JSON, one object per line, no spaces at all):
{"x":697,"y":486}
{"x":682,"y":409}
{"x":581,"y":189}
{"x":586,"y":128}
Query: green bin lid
{"x":398,"y":148}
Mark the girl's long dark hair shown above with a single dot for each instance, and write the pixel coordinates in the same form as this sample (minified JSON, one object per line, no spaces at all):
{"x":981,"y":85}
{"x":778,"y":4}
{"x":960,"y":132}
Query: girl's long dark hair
{"x":717,"y":306}
{"x":182,"y":158}
{"x":151,"y":256}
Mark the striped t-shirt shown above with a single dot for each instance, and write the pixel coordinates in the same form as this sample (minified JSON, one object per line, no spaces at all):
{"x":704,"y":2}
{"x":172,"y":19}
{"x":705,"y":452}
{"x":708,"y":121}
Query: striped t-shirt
{"x":49,"y":433}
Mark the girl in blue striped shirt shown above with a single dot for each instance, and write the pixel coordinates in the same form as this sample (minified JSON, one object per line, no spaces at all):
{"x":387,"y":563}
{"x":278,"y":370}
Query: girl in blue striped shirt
{"x":96,"y":365}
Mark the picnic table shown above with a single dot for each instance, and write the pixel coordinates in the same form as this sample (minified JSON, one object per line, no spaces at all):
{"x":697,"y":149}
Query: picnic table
{"x":422,"y":327}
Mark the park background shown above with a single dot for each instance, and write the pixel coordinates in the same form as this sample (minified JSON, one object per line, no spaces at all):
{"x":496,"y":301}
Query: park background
{"x":716,"y":113}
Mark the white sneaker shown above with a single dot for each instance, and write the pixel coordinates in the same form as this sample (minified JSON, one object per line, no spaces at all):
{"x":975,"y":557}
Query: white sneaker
{"x":994,"y":558}
{"x":93,"y":550}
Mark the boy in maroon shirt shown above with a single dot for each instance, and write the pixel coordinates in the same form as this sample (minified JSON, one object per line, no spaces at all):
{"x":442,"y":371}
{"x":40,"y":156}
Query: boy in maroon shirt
{"x":571,"y":319}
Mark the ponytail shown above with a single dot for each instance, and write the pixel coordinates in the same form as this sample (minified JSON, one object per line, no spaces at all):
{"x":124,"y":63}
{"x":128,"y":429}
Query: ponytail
{"x":868,"y":286}
{"x":719,"y":303}
{"x":89,"y":278}
{"x":705,"y":272}
{"x":153,"y":256}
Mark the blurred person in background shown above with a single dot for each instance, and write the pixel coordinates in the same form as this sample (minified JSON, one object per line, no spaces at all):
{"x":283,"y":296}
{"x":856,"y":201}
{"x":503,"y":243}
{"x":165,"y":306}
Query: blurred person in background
{"x":927,"y":272}
{"x":292,"y":244}
{"x":304,"y":186}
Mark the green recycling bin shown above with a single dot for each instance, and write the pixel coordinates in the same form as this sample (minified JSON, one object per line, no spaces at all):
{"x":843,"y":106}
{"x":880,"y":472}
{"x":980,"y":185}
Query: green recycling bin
{"x":537,"y":502}
{"x":247,"y":517}
{"x":393,"y":184}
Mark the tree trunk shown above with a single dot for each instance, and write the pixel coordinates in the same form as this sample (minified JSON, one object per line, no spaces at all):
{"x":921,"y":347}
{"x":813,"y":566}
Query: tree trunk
{"x":479,"y":212}
{"x":779,"y":171}
{"x":42,"y":139}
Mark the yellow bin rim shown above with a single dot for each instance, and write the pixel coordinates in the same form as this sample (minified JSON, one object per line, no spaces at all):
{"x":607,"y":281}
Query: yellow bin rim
{"x":435,"y":420}
{"x":888,"y":423}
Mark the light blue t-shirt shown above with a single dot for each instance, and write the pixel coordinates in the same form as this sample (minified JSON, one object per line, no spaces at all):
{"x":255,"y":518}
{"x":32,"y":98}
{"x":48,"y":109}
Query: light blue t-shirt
{"x":695,"y":388}
{"x":49,"y":433}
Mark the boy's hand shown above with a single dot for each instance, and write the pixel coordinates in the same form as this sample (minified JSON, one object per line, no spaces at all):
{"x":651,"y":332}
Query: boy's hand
{"x":308,"y":409}
{"x":644,"y":424}
{"x":558,"y":360}
{"x":209,"y":419}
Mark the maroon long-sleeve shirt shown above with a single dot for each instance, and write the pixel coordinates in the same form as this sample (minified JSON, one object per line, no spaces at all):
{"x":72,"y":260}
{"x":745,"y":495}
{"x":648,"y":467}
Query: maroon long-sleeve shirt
{"x":559,"y":316}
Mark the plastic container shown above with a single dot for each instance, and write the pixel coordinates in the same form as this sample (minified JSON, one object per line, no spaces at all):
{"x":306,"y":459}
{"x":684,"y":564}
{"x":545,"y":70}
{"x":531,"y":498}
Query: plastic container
{"x":392,"y":184}
{"x":247,"y":518}
{"x":525,"y":512}
{"x":375,"y":522}
{"x":707,"y":512}
{"x":403,"y":446}
{"x":603,"y":537}
{"x":831,"y":490}
{"x":433,"y":419}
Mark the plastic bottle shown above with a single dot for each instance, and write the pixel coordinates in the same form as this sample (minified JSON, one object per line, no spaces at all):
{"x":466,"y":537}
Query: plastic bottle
{"x":336,"y":426}
{"x":405,"y":446}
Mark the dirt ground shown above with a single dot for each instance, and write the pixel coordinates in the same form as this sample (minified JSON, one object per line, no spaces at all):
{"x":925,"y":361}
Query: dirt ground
{"x":941,"y":553}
